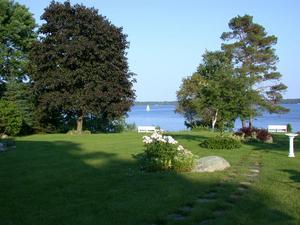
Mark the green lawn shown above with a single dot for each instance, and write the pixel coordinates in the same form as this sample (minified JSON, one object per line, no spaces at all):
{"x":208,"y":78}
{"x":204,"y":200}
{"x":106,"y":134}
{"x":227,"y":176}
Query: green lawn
{"x":65,"y":180}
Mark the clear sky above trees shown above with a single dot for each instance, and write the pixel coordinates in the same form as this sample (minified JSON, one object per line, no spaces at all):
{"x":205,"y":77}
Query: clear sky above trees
{"x":167,"y":38}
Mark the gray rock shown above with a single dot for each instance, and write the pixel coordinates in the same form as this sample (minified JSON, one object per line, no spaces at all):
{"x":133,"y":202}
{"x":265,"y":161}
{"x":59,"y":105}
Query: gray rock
{"x":4,"y":136}
{"x":269,"y":139}
{"x":211,"y":164}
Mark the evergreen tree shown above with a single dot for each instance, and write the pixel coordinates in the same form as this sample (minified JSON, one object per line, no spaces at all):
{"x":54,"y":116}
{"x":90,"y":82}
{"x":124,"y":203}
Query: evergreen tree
{"x":79,"y":65}
{"x":253,"y":55}
{"x":16,"y":36}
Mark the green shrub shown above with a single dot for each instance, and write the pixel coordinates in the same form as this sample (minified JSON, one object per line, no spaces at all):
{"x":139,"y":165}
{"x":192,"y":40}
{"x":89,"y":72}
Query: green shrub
{"x":163,"y":153}
{"x":10,"y":118}
{"x":221,"y":143}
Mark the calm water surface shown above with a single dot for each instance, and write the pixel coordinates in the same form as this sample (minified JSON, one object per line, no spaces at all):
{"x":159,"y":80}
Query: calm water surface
{"x":165,"y":117}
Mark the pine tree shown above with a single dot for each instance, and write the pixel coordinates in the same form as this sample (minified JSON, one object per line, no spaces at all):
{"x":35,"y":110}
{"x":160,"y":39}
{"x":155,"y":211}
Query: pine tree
{"x":253,"y":55}
{"x":16,"y":36}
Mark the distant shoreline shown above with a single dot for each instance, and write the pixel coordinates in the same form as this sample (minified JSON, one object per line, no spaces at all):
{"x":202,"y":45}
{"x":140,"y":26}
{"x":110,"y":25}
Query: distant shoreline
{"x":284,"y":101}
{"x":156,"y":103}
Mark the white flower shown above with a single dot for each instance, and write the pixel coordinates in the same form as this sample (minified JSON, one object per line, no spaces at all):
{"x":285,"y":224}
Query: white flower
{"x":170,"y":140}
{"x":162,"y":140}
{"x":187,"y":152}
{"x":180,"y":148}
{"x":147,"y":140}
{"x":156,"y":135}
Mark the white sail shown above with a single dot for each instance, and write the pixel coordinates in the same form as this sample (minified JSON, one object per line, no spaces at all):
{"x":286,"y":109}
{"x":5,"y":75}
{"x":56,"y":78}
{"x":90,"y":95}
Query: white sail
{"x":148,"y":108}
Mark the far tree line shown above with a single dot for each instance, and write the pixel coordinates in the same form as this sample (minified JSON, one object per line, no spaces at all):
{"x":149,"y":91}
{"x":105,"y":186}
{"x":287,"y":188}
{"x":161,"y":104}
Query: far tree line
{"x":72,"y":73}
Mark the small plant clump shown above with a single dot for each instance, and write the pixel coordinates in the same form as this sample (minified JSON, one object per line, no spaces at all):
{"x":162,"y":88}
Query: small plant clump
{"x":221,"y":142}
{"x":75,"y":132}
{"x":163,"y":153}
{"x":256,"y":134}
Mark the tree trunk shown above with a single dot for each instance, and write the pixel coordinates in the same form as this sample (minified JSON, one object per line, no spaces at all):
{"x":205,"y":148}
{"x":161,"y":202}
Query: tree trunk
{"x":79,"y":123}
{"x":244,"y":124}
{"x":251,"y":122}
{"x":214,"y":120}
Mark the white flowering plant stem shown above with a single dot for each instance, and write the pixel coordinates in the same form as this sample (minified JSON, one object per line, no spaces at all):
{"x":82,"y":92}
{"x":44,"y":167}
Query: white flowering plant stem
{"x":164,"y":153}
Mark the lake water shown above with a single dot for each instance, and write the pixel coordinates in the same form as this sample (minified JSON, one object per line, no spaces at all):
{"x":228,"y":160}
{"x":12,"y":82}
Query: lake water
{"x":165,"y":117}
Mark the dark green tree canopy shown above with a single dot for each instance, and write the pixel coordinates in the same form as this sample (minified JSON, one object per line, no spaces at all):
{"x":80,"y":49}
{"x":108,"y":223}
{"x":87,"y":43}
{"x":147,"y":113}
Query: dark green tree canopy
{"x":79,"y":64}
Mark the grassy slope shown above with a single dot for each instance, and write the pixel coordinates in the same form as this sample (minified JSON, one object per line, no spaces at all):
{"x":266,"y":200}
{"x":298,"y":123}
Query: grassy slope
{"x":60,"y":179}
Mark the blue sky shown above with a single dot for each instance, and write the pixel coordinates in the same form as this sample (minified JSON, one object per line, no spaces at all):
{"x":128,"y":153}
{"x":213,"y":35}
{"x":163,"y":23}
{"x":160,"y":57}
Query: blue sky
{"x":168,"y":37}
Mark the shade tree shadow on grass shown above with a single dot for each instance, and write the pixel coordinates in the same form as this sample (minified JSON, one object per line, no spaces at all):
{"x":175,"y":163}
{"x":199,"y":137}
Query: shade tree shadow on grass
{"x":58,"y":182}
{"x":280,"y":144}
{"x":189,"y":137}
{"x":294,"y":175}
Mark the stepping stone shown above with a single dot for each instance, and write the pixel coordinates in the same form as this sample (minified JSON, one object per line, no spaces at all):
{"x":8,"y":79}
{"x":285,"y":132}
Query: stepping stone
{"x":235,"y":196}
{"x":254,"y":170}
{"x":205,"y":200}
{"x":220,"y":184}
{"x":242,"y":189}
{"x":251,"y":175}
{"x":219,"y":212}
{"x":176,"y":217}
{"x":186,"y":209}
{"x":207,"y":222}
{"x":245,"y":183}
{"x":210,"y":194}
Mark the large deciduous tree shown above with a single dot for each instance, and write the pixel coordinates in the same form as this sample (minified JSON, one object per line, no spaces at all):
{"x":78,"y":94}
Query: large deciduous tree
{"x":253,"y":54}
{"x":79,"y":65}
{"x":211,"y":94}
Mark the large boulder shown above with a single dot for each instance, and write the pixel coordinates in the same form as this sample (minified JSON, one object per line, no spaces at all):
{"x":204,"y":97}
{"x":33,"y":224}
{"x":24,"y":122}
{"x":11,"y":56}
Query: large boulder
{"x":211,"y":164}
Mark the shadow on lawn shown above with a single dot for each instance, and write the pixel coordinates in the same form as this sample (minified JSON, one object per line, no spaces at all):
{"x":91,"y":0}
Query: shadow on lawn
{"x":189,"y":137}
{"x":294,"y":175}
{"x":59,"y":183}
{"x":280,"y":144}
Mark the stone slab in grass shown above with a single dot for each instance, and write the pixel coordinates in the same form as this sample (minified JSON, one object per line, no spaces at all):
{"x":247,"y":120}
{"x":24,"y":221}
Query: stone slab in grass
{"x":205,"y":200}
{"x":211,"y":164}
{"x":254,"y":170}
{"x":176,"y":217}
{"x":2,"y":147}
{"x":245,"y":183}
{"x":186,"y":209}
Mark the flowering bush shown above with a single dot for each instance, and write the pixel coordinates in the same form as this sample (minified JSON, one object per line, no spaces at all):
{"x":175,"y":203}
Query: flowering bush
{"x":254,"y":134}
{"x":164,"y":153}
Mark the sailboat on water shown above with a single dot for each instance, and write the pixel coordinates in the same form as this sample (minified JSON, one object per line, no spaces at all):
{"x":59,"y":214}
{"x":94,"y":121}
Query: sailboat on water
{"x":148,"y":108}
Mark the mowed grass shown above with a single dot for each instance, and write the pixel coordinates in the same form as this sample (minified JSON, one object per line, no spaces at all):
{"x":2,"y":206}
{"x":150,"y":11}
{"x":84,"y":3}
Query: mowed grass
{"x":62,"y":179}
